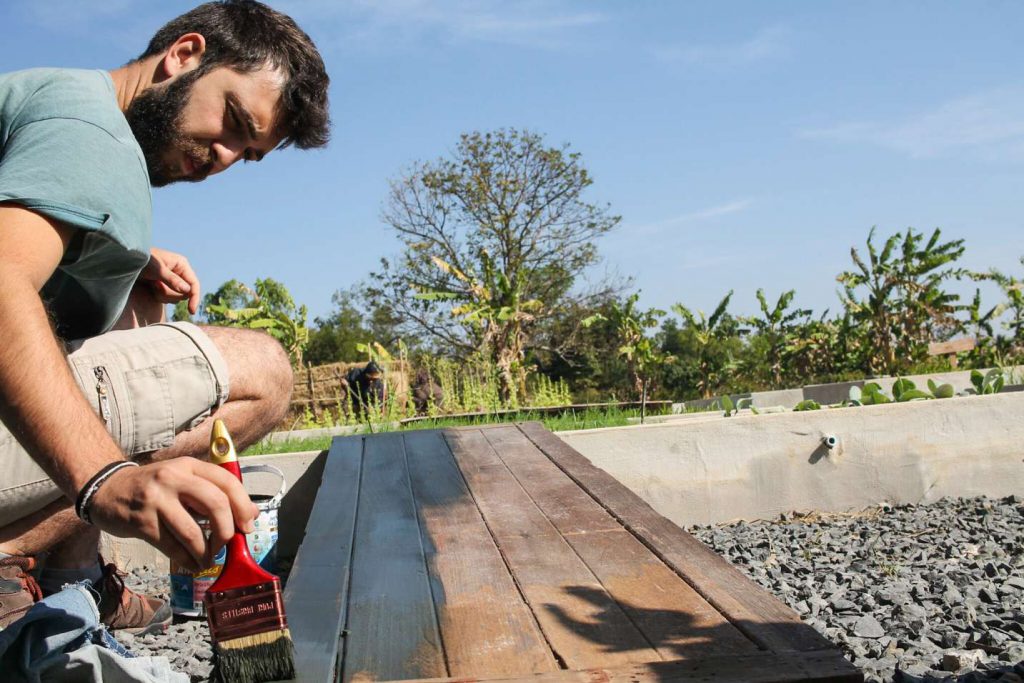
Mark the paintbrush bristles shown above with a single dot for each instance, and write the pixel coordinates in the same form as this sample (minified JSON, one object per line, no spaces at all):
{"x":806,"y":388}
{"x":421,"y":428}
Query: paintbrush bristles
{"x":255,"y":659}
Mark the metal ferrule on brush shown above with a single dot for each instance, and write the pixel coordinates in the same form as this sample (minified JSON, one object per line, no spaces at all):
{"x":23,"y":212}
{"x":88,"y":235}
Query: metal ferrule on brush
{"x":246,"y":611}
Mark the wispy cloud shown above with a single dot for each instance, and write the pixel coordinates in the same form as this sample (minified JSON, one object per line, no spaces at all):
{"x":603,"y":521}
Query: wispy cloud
{"x":990,"y":123}
{"x":770,"y":42}
{"x":691,"y":217}
{"x":384,"y":23}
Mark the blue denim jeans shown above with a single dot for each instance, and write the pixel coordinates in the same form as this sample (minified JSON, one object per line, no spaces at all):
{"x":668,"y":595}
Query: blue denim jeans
{"x":61,"y":638}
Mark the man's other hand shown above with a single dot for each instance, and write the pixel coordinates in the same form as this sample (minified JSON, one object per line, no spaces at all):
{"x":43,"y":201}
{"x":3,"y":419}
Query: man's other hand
{"x":171,"y":278}
{"x":155,"y":503}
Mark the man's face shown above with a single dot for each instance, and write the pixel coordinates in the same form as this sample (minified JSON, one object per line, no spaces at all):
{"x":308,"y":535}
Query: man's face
{"x":194,"y":126}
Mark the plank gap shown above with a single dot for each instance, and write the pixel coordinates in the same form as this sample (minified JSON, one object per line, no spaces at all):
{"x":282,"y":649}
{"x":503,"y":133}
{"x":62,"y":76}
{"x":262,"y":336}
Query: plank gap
{"x":508,"y":567}
{"x":622,"y":609}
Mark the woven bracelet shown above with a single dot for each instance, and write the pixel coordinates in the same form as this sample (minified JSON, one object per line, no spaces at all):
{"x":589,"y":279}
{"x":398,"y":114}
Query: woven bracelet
{"x":93,"y":485}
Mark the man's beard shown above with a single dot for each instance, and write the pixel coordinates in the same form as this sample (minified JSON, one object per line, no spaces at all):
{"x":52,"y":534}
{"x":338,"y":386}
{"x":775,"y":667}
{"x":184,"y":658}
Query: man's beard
{"x":155,"y":120}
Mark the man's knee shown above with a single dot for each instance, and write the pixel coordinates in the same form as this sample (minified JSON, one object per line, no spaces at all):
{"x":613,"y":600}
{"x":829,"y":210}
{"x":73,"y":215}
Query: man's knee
{"x":258,"y":366}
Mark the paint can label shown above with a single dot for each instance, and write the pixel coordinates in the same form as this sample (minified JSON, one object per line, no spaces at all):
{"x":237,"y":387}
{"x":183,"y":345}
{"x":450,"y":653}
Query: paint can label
{"x":188,"y":588}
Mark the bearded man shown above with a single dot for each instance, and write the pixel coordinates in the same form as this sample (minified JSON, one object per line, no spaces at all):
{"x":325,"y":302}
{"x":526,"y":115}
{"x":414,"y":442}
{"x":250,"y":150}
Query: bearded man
{"x":99,"y":397}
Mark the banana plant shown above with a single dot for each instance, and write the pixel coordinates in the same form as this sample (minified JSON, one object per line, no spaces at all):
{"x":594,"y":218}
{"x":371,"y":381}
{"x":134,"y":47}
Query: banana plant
{"x":709,"y":331}
{"x":640,"y":352}
{"x":269,"y":308}
{"x":492,"y":307}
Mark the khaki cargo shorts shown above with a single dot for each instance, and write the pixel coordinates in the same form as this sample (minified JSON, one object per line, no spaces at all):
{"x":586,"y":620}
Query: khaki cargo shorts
{"x":146,"y":384}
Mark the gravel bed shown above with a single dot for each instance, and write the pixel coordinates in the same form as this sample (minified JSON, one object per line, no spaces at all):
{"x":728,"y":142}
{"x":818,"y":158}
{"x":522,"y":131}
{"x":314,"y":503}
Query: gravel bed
{"x":912,"y":594}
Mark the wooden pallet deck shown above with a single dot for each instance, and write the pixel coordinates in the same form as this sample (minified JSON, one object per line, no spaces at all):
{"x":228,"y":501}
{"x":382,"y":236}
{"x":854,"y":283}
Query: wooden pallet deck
{"x":501,"y":553}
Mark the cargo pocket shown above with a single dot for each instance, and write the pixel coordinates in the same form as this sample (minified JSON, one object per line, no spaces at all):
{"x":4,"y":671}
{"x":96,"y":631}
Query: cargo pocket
{"x":152,"y":408}
{"x":101,"y":391}
{"x":193,"y":391}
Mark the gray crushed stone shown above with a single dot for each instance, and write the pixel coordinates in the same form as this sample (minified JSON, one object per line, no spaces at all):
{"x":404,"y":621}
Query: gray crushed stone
{"x":912,"y":594}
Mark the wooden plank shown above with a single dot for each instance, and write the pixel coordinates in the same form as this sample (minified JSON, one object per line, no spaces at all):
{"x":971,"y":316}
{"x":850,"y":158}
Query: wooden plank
{"x":765,"y":667}
{"x":758,"y":614}
{"x":392,"y":626}
{"x":486,"y":627}
{"x":952,"y":346}
{"x":674,"y":618}
{"x":316,"y":597}
{"x":574,"y":611}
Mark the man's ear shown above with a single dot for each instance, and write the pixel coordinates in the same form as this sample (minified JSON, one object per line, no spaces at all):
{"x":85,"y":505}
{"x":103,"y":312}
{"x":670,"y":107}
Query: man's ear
{"x":183,"y":55}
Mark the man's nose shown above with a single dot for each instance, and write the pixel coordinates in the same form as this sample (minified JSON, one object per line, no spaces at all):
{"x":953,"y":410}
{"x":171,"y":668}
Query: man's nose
{"x":225,"y":153}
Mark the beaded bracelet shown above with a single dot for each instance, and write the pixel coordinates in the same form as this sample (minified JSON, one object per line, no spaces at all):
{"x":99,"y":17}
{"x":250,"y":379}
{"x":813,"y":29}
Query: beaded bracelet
{"x":93,"y":485}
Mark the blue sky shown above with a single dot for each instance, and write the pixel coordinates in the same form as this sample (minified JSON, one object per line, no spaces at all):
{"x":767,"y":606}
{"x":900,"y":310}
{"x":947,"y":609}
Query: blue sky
{"x":745,"y":144}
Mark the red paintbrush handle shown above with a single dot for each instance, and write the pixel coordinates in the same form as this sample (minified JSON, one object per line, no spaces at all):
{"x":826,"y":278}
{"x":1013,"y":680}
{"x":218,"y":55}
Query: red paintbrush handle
{"x":240,"y":569}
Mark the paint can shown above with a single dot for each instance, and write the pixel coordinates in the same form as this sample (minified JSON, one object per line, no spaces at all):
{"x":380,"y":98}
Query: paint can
{"x":188,"y":588}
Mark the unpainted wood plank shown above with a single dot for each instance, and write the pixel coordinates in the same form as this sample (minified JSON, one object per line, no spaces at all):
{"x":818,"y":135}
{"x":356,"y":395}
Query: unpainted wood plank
{"x":574,"y":611}
{"x":765,"y":667}
{"x":392,"y":626}
{"x":674,"y":618}
{"x":486,"y":627}
{"x":952,"y":346}
{"x":761,"y":616}
{"x":316,"y":597}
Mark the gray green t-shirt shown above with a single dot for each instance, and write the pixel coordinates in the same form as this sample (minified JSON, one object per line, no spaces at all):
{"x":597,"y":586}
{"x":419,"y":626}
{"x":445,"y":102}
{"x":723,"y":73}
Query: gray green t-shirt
{"x":67,"y":152}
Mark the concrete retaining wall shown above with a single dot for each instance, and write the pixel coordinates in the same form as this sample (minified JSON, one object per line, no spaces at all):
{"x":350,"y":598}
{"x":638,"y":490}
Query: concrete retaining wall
{"x":757,"y":467}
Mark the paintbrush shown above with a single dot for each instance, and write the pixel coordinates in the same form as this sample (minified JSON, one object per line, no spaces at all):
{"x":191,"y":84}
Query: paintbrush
{"x":251,"y":642}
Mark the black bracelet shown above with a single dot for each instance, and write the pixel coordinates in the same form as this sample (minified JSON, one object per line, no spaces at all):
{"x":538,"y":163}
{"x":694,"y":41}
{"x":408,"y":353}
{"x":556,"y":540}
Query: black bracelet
{"x":93,"y":485}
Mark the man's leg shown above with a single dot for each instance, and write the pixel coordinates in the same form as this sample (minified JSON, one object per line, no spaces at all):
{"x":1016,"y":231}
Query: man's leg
{"x":261,"y":386}
{"x":261,"y":390}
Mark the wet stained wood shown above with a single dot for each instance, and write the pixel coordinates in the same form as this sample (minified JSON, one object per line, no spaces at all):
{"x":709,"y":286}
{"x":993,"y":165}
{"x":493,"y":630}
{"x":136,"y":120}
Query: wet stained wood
{"x":486,"y":627}
{"x":575,"y":612}
{"x":675,"y":619}
{"x":316,"y":598}
{"x":761,"y":616}
{"x":392,"y":626}
{"x":500,"y":553}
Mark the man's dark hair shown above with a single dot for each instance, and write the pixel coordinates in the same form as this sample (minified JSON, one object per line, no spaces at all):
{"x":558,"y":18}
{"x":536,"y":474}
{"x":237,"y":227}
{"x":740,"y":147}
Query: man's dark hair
{"x":246,"y":36}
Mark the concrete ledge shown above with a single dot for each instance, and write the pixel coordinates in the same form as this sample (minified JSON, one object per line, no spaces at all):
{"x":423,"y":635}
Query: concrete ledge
{"x":757,"y":467}
{"x":839,"y":391}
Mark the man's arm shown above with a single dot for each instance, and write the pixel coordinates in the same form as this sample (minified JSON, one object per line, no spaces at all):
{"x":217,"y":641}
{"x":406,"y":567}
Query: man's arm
{"x":44,"y":408}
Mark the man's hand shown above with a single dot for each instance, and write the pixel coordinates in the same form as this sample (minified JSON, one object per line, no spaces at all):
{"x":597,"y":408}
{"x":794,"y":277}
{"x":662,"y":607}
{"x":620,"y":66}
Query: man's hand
{"x":154,"y":502}
{"x":171,"y":278}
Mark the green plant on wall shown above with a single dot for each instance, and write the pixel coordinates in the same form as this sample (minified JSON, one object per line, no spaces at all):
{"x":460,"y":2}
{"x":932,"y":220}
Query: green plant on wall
{"x":903,"y":391}
{"x":989,"y":383}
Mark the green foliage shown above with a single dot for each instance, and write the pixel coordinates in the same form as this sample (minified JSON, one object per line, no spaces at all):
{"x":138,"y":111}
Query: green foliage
{"x":897,"y":298}
{"x":181,"y":312}
{"x":728,"y":408}
{"x":990,"y":383}
{"x":268,"y":307}
{"x":805,"y":405}
{"x":638,"y":349}
{"x":903,"y":390}
{"x":778,"y":327}
{"x":709,"y":336}
{"x":335,"y":337}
